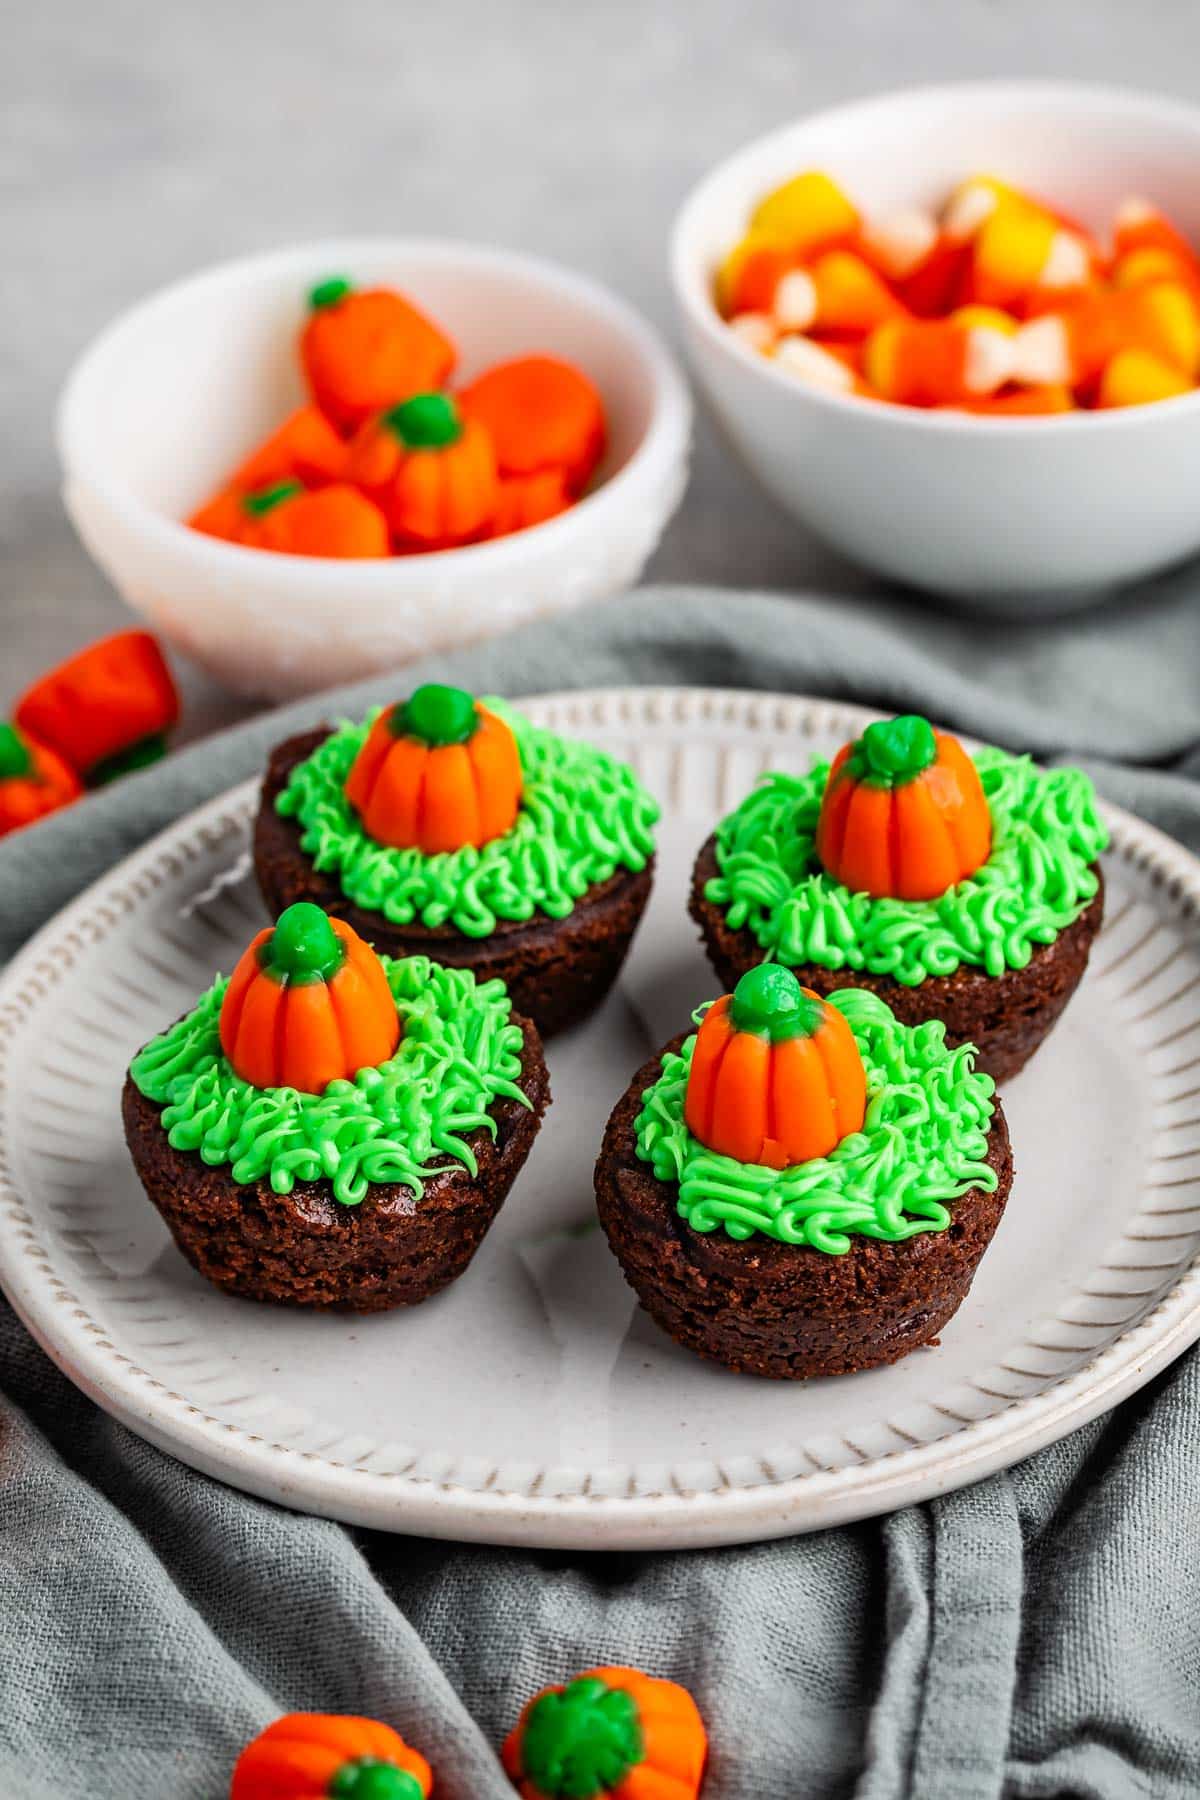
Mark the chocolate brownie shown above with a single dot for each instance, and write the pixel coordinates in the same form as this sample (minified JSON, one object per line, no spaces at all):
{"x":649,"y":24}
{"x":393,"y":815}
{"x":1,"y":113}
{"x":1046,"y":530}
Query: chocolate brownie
{"x":763,"y":1307}
{"x":1005,"y":1016}
{"x":556,"y":970}
{"x":307,"y":1249}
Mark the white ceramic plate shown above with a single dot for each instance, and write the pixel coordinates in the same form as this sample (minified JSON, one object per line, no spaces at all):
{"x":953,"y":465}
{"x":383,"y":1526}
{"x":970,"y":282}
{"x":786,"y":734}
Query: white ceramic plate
{"x":533,"y":1403}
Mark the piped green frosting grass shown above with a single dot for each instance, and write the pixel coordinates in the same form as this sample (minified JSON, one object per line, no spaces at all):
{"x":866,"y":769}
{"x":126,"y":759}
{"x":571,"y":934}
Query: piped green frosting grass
{"x":924,"y":1142}
{"x":583,"y":816}
{"x":402,"y":1122}
{"x":1046,"y":831}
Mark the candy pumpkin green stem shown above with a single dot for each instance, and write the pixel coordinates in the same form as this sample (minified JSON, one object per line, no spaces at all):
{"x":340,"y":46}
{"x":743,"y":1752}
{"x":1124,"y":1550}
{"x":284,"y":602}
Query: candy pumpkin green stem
{"x":770,"y":1002}
{"x":426,"y":422}
{"x":15,"y":759}
{"x":436,"y":715}
{"x":582,"y":1741}
{"x":329,"y":292}
{"x":267,"y":499}
{"x":367,"y":1778}
{"x":892,"y":752}
{"x":303,"y":946}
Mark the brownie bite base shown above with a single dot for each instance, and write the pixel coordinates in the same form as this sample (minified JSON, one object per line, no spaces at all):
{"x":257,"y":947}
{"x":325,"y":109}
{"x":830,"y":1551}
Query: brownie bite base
{"x":556,"y":970}
{"x":761,"y":1307}
{"x":307,"y":1249}
{"x":1005,"y":1016}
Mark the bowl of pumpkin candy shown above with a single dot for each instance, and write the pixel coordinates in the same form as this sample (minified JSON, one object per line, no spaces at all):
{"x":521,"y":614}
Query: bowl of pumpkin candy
{"x":307,"y":466}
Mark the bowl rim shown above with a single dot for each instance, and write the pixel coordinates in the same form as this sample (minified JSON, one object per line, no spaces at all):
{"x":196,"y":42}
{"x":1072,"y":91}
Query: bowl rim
{"x":664,"y":439}
{"x":694,"y":300}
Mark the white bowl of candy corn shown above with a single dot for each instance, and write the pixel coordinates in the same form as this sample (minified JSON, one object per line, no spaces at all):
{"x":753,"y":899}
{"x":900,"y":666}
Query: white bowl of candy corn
{"x":963,"y":347}
{"x":168,"y":409}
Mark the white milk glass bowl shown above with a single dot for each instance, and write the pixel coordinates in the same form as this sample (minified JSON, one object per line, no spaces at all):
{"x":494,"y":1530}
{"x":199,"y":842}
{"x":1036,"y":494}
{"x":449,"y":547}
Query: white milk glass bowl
{"x":1016,"y":516}
{"x":173,"y":394}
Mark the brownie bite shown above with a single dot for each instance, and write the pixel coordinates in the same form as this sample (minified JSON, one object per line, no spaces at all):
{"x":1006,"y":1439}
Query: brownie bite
{"x":519,"y":855}
{"x":751,"y":1188}
{"x":956,"y":888}
{"x":333,"y":1129}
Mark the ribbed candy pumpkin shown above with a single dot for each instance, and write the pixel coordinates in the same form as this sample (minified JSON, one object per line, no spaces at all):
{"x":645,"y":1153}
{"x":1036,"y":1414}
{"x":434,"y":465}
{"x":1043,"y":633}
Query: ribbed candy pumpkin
{"x":776,"y":1076}
{"x":611,"y":1734}
{"x":904,"y":812}
{"x":326,"y":1756}
{"x":430,"y":470}
{"x":34,"y":780}
{"x":436,"y":773}
{"x":307,"y":1004}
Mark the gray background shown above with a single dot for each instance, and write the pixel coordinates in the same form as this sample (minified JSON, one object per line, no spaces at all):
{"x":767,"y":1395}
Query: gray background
{"x":143,"y":141}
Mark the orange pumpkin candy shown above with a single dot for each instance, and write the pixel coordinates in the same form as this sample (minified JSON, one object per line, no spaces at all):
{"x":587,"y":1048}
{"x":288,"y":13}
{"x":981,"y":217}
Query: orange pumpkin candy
{"x":904,"y":812}
{"x":34,"y":780}
{"x":362,"y":350}
{"x":776,"y":1075}
{"x":308,"y":1004}
{"x":612,"y":1733}
{"x":436,"y":773}
{"x":327,"y":1756}
{"x":430,"y":470}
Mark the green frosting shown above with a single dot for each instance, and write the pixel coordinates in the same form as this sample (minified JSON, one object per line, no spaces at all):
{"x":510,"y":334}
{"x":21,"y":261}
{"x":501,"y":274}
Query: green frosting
{"x":369,"y":1778}
{"x":402,"y":1122}
{"x":1046,"y":832}
{"x":583,"y":816}
{"x":924,"y":1142}
{"x":425,"y":422}
{"x":582,"y":1740}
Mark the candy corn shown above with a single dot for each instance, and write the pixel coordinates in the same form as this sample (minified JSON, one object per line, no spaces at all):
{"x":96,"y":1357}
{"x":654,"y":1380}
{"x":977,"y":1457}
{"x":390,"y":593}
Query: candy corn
{"x":1135,"y":377}
{"x":1074,"y":345}
{"x":1001,"y":303}
{"x":933,"y":362}
{"x":839,"y":292}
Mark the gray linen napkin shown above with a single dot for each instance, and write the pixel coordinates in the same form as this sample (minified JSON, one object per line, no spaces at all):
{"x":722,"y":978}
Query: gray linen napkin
{"x":1038,"y":1634}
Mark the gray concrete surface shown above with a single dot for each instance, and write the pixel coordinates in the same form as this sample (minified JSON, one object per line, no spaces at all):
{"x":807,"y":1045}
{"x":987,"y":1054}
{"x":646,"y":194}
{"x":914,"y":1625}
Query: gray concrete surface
{"x":139,"y":142}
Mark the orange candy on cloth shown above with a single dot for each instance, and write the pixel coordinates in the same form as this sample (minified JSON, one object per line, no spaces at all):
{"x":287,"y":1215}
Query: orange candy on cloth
{"x":328,"y":1756}
{"x":611,"y":1733}
{"x":34,"y":780}
{"x":107,"y":709}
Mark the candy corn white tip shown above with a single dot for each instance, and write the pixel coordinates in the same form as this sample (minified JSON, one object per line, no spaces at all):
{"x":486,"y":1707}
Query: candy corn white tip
{"x":755,"y":329}
{"x":808,"y":362}
{"x":988,"y":360}
{"x":900,"y":243}
{"x":1134,"y":211}
{"x":969,"y":210}
{"x":795,"y":303}
{"x":1067,"y":262}
{"x":1041,"y":353}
